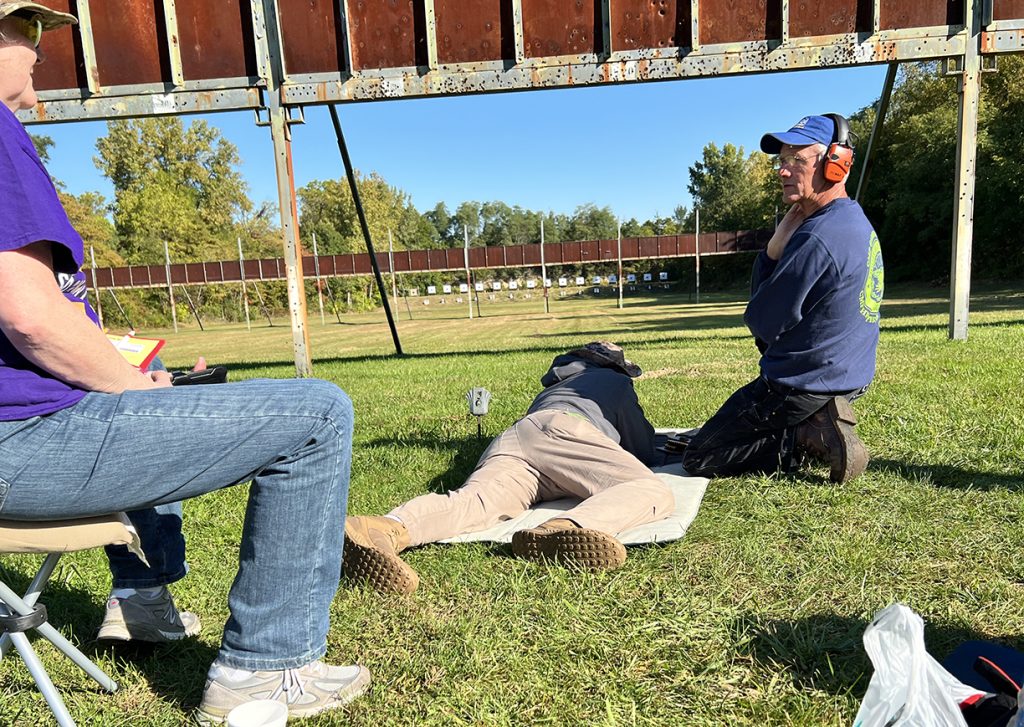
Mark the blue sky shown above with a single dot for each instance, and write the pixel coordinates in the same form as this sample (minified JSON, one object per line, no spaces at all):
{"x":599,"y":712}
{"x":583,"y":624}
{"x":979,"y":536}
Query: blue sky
{"x":626,"y":146}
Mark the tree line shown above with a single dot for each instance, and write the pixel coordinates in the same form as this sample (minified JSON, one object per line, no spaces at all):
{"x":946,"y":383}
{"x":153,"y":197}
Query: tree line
{"x":181,"y":185}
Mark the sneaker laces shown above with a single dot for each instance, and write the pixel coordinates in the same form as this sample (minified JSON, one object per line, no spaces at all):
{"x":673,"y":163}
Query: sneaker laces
{"x":292,"y":686}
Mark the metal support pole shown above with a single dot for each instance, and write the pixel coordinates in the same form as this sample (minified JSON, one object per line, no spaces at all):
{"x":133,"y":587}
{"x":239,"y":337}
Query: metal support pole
{"x":263,"y":305}
{"x":192,"y":307}
{"x":245,"y":293}
{"x":619,"y":277}
{"x":319,"y":282}
{"x":170,"y":286}
{"x":469,"y":277}
{"x":544,"y":270}
{"x":96,"y":286}
{"x":883,"y":107}
{"x":966,"y":153}
{"x":124,"y":314}
{"x":696,"y":250}
{"x":350,"y":172}
{"x":391,"y":266}
{"x":271,"y":65}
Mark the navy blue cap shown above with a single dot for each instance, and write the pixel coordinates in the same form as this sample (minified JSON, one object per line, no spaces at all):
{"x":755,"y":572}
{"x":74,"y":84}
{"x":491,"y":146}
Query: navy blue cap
{"x":808,"y":130}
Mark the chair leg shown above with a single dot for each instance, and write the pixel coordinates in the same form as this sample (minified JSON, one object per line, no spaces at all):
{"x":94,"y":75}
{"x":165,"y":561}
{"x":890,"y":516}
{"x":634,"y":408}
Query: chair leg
{"x":43,"y":680}
{"x":32,"y":594}
{"x":13,"y":602}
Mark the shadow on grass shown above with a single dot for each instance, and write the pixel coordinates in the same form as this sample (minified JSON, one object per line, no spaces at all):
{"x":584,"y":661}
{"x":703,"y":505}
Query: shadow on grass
{"x":169,"y":669}
{"x":467,"y":451}
{"x":825,"y":651}
{"x":949,"y":476}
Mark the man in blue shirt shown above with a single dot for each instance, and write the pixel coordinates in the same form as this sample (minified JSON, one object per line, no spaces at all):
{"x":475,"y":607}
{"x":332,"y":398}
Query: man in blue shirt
{"x":814,"y":310}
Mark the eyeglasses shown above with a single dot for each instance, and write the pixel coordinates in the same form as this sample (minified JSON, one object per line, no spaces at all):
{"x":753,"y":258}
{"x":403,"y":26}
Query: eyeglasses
{"x":31,"y":28}
{"x":794,"y":161}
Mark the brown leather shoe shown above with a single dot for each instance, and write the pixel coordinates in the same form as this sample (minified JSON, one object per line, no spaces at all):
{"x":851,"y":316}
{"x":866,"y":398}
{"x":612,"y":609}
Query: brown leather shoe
{"x":567,"y":543}
{"x":372,"y":545}
{"x":828,"y":435}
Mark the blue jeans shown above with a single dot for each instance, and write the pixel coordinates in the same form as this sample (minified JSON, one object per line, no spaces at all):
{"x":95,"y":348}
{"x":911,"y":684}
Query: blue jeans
{"x":143,"y":449}
{"x":159,"y":530}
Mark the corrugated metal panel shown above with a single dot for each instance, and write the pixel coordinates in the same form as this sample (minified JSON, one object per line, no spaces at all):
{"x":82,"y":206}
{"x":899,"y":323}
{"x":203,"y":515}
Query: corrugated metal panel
{"x":630,"y":247}
{"x":838,"y":16}
{"x":63,"y":67}
{"x":739,"y":21}
{"x":477,"y":257}
{"x":104,"y":277}
{"x":561,"y":27}
{"x":158,"y":275}
{"x":311,"y":40}
{"x":638,"y":24}
{"x":590,"y":250}
{"x":122,"y":277}
{"x":131,"y":39}
{"x":531,"y":254}
{"x":514,"y":255}
{"x":1007,"y":9}
{"x":344,"y":264}
{"x":920,"y":13}
{"x":474,"y":30}
{"x":178,"y":276}
{"x":216,"y":38}
{"x":387,"y":34}
{"x":327,"y":265}
{"x":195,"y":272}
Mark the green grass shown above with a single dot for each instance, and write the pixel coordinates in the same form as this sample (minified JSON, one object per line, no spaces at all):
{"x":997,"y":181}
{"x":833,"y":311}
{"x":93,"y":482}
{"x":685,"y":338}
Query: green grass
{"x":755,"y":617}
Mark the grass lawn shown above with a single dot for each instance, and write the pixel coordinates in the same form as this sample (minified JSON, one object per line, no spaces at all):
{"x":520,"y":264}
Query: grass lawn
{"x":755,"y":617}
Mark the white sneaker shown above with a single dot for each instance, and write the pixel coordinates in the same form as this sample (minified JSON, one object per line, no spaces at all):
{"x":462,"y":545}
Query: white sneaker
{"x":308,"y":690}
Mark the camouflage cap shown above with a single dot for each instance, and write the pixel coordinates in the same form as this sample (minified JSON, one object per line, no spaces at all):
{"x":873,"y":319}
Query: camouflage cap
{"x":51,"y":19}
{"x":606,"y":353}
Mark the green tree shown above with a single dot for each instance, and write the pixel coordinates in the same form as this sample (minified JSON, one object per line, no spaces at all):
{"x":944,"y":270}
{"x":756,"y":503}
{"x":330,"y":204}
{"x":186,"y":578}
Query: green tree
{"x":175,"y":184}
{"x":326,"y":209}
{"x":733,"y":191}
{"x":43,"y":144}
{"x":590,"y":222}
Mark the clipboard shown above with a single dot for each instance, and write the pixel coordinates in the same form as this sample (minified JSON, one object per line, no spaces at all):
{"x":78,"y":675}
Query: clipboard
{"x":138,"y":351}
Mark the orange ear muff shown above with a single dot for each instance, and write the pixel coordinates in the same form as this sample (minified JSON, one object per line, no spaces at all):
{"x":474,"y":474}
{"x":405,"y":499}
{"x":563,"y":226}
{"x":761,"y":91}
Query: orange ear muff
{"x":839,"y":157}
{"x":838,"y":162}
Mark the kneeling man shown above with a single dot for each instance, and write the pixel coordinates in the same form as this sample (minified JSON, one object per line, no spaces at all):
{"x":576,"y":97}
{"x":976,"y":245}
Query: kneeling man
{"x":584,"y":436}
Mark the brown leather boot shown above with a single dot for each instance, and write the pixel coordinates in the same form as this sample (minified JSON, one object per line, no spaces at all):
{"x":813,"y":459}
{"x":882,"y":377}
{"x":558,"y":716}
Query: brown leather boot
{"x":828,"y":435}
{"x":566,"y":542}
{"x":372,"y":545}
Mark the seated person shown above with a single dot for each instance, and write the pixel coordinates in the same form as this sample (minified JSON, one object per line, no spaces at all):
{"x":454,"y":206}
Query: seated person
{"x":584,"y":436}
{"x":84,"y":433}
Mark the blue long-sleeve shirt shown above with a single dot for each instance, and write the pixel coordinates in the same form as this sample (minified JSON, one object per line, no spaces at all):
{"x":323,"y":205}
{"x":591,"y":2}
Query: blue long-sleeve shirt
{"x":814,"y":312}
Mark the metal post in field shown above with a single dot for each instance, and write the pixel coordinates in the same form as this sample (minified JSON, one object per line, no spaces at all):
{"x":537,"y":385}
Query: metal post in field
{"x":696,"y":249}
{"x":192,"y":307}
{"x":170,"y":286}
{"x":391,"y":266}
{"x":245,"y":293}
{"x":619,"y":278}
{"x":544,"y":270}
{"x":96,"y":287}
{"x":469,"y":279}
{"x":319,"y":281}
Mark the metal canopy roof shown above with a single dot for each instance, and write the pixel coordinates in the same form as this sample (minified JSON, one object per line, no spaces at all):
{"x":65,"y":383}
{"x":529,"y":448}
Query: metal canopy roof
{"x":158,"y":57}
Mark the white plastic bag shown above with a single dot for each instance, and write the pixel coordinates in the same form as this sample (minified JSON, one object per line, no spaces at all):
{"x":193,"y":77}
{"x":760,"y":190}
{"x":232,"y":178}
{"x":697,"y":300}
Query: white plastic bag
{"x":909,"y":688}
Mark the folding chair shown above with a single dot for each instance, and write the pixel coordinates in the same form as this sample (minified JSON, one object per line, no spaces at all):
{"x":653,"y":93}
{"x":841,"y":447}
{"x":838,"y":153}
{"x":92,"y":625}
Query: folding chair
{"x":18,"y":615}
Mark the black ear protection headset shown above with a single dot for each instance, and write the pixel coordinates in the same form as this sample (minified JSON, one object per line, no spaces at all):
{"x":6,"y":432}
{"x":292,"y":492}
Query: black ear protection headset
{"x":839,"y":157}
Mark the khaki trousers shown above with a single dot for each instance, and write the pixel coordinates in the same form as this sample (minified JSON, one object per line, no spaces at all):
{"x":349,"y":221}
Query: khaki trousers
{"x":546,"y":455}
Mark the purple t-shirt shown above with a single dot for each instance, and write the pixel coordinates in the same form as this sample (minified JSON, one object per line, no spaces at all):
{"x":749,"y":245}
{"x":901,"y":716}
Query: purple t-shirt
{"x":31,"y":212}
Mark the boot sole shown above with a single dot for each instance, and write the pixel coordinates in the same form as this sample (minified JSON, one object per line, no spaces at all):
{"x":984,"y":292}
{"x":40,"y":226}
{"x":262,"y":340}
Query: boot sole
{"x":854,"y":456}
{"x":577,"y":548}
{"x":381,"y":571}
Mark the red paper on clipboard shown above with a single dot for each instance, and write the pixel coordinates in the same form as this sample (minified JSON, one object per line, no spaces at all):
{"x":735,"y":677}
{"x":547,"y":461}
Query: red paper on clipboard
{"x":139,"y":352}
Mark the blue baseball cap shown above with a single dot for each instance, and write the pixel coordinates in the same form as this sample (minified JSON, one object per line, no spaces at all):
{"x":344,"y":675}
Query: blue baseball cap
{"x":808,"y":130}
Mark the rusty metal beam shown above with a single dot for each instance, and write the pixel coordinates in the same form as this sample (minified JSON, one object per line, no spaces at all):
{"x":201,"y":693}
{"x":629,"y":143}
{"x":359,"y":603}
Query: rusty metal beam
{"x":628,"y":66}
{"x":268,"y":44}
{"x":969,"y":88}
{"x":92,"y":74}
{"x":154,"y":104}
{"x":173,"y":43}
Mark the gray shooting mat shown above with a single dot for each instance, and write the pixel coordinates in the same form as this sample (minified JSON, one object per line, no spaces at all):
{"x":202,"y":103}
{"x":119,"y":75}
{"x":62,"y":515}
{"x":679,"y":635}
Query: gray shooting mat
{"x":688,"y":492}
